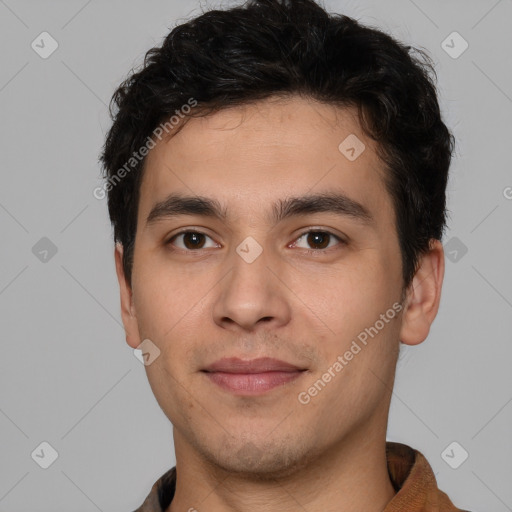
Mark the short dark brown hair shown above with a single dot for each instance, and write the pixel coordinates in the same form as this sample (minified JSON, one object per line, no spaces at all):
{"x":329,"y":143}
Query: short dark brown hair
{"x":264,"y":48}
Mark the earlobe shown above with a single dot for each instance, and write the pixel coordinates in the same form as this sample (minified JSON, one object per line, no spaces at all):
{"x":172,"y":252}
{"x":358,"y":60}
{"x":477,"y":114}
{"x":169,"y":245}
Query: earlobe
{"x":423,"y":296}
{"x":128,"y":313}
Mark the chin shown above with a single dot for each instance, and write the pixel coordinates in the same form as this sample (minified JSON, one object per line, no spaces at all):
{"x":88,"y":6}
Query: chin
{"x":262,"y":462}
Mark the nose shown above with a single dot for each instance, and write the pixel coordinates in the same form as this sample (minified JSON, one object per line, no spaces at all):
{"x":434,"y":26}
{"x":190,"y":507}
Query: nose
{"x":251,"y":295}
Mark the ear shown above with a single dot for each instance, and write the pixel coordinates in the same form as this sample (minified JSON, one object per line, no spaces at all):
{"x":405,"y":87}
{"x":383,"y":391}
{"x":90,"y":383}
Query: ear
{"x":127,"y":307}
{"x":423,"y":296}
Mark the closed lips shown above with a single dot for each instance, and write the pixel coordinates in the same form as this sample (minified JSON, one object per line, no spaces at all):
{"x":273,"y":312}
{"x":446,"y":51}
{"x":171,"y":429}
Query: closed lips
{"x":260,"y":365}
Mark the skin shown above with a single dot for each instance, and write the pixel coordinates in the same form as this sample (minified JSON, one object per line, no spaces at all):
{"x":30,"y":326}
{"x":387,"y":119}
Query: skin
{"x":270,"y":452}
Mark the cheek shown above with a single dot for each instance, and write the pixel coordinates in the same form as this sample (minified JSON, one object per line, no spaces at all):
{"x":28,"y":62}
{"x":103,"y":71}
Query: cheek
{"x":355,"y":294}
{"x":162,"y":296}
{"x":172,"y":310}
{"x":351,"y":304}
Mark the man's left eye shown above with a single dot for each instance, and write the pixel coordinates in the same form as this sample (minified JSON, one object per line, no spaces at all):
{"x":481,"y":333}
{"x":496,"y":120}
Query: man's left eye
{"x":321,"y":239}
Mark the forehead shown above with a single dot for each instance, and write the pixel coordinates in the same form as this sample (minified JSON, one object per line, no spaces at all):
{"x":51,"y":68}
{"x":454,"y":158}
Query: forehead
{"x":262,"y":152}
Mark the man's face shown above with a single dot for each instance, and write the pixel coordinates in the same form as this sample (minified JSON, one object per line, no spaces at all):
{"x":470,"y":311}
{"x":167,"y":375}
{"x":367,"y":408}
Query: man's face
{"x":304,"y":299}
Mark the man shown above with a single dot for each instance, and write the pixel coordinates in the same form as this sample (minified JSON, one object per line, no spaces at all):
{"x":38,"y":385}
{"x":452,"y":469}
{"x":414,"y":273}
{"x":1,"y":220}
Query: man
{"x":276,"y":180}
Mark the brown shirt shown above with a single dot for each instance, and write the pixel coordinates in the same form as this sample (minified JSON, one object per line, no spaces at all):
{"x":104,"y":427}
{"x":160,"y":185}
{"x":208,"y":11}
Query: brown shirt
{"x":411,"y":475}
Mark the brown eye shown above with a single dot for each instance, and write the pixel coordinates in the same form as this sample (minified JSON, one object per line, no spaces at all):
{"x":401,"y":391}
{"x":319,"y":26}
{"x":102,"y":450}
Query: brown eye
{"x":319,"y":240}
{"x":190,"y":240}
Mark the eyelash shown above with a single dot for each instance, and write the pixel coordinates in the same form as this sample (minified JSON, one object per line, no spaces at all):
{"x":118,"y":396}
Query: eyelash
{"x":308,"y":251}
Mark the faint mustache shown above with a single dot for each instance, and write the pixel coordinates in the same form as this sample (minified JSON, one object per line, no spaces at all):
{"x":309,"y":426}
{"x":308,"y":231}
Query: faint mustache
{"x":267,"y":346}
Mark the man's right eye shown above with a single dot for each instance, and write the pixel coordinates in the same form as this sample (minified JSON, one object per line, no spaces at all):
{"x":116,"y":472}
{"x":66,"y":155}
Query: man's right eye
{"x":190,"y":240}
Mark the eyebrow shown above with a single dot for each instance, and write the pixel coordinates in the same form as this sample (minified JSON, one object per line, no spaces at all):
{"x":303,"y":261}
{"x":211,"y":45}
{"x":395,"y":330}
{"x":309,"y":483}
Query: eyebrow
{"x":176,"y":204}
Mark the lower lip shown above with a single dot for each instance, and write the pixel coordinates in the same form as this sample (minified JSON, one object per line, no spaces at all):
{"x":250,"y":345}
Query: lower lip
{"x":252,"y":383}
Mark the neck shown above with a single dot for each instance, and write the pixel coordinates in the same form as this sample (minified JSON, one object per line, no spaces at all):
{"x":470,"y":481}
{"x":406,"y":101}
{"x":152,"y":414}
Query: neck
{"x":347,"y":477}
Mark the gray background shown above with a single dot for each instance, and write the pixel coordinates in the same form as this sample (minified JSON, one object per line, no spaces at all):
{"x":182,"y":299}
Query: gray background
{"x":67,"y":376}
